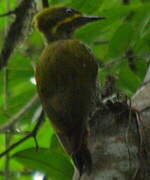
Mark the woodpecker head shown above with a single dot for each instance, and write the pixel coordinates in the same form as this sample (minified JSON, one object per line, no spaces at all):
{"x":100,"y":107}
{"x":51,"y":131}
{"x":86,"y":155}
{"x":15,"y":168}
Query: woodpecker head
{"x":60,"y":22}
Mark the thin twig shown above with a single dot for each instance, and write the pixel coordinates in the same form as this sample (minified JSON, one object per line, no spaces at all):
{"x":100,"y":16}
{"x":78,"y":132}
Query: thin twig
{"x":121,"y":59}
{"x":37,"y":114}
{"x":5,"y":81}
{"x":101,"y":42}
{"x":127,"y":133}
{"x":19,"y":115}
{"x":142,"y":149}
{"x":145,"y":109}
{"x":8,"y":13}
{"x":15,"y":132}
{"x":114,"y":62}
{"x":7,"y":160}
{"x":31,"y":134}
{"x":135,"y":174}
{"x":6,"y":98}
{"x":21,"y":173}
{"x":15,"y":145}
{"x":139,"y":131}
{"x":146,"y":83}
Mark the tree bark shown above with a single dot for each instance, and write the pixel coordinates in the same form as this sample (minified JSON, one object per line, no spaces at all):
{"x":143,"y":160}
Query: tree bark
{"x":119,"y":139}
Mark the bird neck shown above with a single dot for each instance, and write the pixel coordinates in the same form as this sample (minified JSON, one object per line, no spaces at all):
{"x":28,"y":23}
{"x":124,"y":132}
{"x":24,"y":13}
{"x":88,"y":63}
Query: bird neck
{"x":55,"y":37}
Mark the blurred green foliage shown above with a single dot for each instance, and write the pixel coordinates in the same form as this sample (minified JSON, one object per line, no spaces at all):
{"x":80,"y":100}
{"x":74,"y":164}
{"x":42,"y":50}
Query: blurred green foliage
{"x":126,"y":28}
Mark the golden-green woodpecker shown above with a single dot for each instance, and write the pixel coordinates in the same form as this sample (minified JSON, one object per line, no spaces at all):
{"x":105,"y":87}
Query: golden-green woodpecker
{"x":66,"y":80}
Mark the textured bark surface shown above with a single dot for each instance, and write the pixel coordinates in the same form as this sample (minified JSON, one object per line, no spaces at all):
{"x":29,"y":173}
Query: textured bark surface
{"x":119,"y":140}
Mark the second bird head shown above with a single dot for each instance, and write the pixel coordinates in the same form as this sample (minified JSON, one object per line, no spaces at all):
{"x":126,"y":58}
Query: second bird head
{"x":60,"y":22}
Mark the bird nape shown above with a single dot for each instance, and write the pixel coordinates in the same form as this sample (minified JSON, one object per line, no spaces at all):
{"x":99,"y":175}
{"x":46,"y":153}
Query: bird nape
{"x":66,"y":77}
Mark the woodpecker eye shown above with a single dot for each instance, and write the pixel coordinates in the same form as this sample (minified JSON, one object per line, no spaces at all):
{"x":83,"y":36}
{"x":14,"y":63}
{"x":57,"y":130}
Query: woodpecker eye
{"x":69,"y":11}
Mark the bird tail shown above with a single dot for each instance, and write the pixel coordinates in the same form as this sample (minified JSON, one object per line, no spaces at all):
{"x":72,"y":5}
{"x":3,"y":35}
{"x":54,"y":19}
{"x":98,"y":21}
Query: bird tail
{"x":83,"y":161}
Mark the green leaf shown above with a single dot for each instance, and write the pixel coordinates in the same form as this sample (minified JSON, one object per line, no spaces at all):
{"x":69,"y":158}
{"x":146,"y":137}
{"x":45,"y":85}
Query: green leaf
{"x":58,"y":2}
{"x":120,"y":42}
{"x":47,"y":131}
{"x":86,"y":6}
{"x":127,"y":81}
{"x":141,"y":67}
{"x":104,"y":28}
{"x":142,"y":46}
{"x":141,"y":18}
{"x":89,"y":32}
{"x":54,"y":164}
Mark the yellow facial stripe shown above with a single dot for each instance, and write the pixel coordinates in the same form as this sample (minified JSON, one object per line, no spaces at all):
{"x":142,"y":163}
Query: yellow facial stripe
{"x":69,"y":19}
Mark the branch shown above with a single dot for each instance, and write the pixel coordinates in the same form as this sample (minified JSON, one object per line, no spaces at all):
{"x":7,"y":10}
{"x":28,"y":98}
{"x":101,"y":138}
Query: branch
{"x":7,"y":160}
{"x":8,"y":13}
{"x":17,"y":30}
{"x":6,"y":92}
{"x":19,"y":115}
{"x":15,"y":145}
{"x":33,"y":134}
{"x":22,"y":173}
{"x":101,"y":42}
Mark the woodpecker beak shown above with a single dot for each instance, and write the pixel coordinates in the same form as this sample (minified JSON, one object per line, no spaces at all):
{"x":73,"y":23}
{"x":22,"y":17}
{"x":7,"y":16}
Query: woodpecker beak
{"x":87,"y":19}
{"x":82,"y":20}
